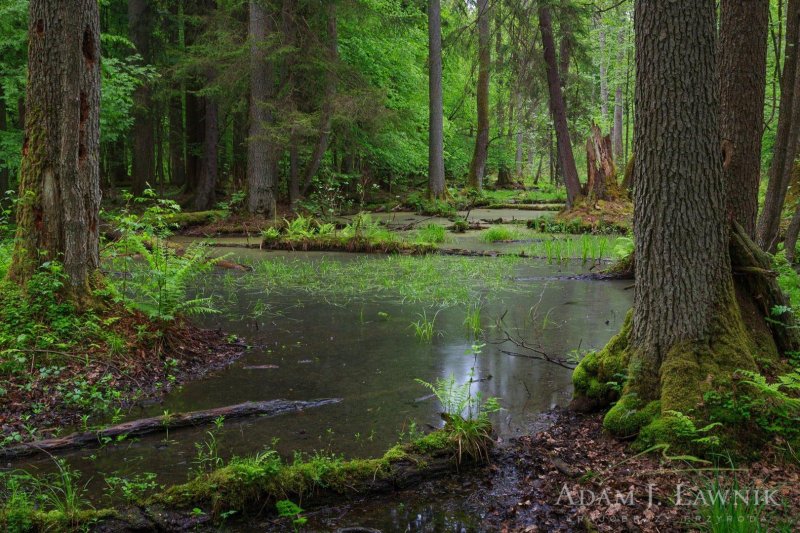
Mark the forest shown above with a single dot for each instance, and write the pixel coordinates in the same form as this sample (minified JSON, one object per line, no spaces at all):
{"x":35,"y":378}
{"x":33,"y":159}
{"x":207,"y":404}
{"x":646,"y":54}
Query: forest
{"x":399,"y":265}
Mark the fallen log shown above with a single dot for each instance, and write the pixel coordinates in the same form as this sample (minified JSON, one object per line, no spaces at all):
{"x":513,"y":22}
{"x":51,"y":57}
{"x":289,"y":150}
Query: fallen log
{"x":163,"y":423}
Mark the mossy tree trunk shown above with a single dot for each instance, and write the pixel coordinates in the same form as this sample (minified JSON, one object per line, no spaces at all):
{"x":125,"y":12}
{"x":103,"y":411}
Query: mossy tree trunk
{"x":701,"y":291}
{"x":59,"y":191}
{"x":477,"y":167}
{"x":436,"y":183}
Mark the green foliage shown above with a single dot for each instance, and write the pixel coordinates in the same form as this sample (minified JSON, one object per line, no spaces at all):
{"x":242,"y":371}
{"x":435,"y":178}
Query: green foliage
{"x":151,"y":275}
{"x":131,"y":489}
{"x":431,"y":234}
{"x":289,"y":509}
{"x":423,"y":328}
{"x":500,"y":234}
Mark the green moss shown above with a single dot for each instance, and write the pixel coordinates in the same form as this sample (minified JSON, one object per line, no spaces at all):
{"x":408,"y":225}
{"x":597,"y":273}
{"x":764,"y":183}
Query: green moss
{"x":185,"y":219}
{"x":245,"y":482}
{"x":629,"y":415}
{"x":598,"y":377}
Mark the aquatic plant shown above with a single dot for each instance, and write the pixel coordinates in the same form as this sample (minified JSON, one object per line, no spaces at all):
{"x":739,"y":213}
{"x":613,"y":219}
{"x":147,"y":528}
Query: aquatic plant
{"x":472,"y":320}
{"x":431,"y":233}
{"x":500,"y":233}
{"x":423,"y":328}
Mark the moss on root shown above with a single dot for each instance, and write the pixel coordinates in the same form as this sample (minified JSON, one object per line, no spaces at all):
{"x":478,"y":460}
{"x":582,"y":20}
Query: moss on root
{"x":688,"y":371}
{"x":629,"y":415}
{"x":598,"y":377}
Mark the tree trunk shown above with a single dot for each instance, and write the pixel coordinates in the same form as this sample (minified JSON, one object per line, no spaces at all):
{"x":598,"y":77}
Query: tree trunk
{"x":601,"y":183}
{"x":4,"y":182}
{"x":260,"y":171}
{"x":177,"y":159}
{"x":326,"y":113}
{"x":786,"y":136}
{"x":616,"y":131}
{"x":477,"y":167}
{"x":436,"y":183}
{"x":205,"y":196}
{"x":790,"y":245}
{"x":603,"y":78}
{"x":742,"y":64}
{"x":140,"y":21}
{"x":558,"y":109}
{"x":60,"y":172}
{"x":692,"y":327}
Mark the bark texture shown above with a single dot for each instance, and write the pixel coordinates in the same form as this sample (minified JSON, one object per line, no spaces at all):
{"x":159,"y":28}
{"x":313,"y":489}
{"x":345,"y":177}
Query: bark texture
{"x":682,"y":267}
{"x":436,"y":184}
{"x":57,"y":216}
{"x":558,"y":108}
{"x":261,"y":177}
{"x":601,"y":182}
{"x":786,"y":136}
{"x":742,"y":63}
{"x":477,"y":167}
{"x":205,"y":197}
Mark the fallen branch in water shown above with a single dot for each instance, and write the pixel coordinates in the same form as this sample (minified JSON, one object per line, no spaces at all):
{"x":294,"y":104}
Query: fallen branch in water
{"x":163,"y":423}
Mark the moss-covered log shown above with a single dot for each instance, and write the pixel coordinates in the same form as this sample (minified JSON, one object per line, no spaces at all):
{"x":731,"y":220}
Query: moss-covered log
{"x":256,"y":484}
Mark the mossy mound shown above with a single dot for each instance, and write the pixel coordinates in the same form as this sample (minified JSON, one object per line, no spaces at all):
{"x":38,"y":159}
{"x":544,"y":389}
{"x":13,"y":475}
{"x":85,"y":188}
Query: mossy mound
{"x":599,"y":376}
{"x":629,"y":415}
{"x":600,"y":216}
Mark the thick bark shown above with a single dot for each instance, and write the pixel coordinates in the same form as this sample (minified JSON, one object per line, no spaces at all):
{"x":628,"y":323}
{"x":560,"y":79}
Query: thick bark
{"x":140,"y":20}
{"x":205,"y":197}
{"x":742,"y":64}
{"x":684,"y":289}
{"x":326,"y":113}
{"x":163,"y":423}
{"x":477,"y":166}
{"x":436,"y":183}
{"x":60,"y":172}
{"x":786,"y":136}
{"x":261,"y":179}
{"x":558,"y":109}
{"x":616,"y":130}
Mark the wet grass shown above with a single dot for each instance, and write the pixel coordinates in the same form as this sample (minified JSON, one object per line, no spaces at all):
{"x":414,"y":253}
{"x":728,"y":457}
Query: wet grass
{"x":586,"y":248}
{"x":432,"y":280}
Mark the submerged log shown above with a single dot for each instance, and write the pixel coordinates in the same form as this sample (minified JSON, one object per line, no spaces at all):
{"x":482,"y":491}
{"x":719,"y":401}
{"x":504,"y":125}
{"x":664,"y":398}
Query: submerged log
{"x":163,"y":423}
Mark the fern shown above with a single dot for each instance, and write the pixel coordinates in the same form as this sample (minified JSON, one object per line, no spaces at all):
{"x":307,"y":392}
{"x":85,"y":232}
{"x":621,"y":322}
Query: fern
{"x":784,"y":390}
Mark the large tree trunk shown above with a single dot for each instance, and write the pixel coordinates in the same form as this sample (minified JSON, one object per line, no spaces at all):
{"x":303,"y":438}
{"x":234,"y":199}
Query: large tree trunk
{"x":260,"y":170}
{"x":205,"y":196}
{"x":742,"y":64}
{"x":60,"y":173}
{"x":177,"y":160}
{"x":692,"y":327}
{"x":326,"y":113}
{"x":786,"y":136}
{"x":140,"y":20}
{"x":616,"y":130}
{"x":436,"y":184}
{"x":477,"y":167}
{"x":558,"y":109}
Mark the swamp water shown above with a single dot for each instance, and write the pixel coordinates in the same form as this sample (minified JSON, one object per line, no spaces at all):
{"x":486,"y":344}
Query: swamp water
{"x":324,"y":325}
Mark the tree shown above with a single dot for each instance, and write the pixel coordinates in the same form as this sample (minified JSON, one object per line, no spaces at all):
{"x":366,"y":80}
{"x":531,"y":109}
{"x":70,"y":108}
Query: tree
{"x":140,"y":20}
{"x":436,"y":184}
{"x":742,"y":63}
{"x":57,"y":216}
{"x":558,"y":108}
{"x":204,"y":196}
{"x":786,"y":137}
{"x":477,"y":167}
{"x":691,"y":328}
{"x":616,"y":130}
{"x":261,"y":176}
